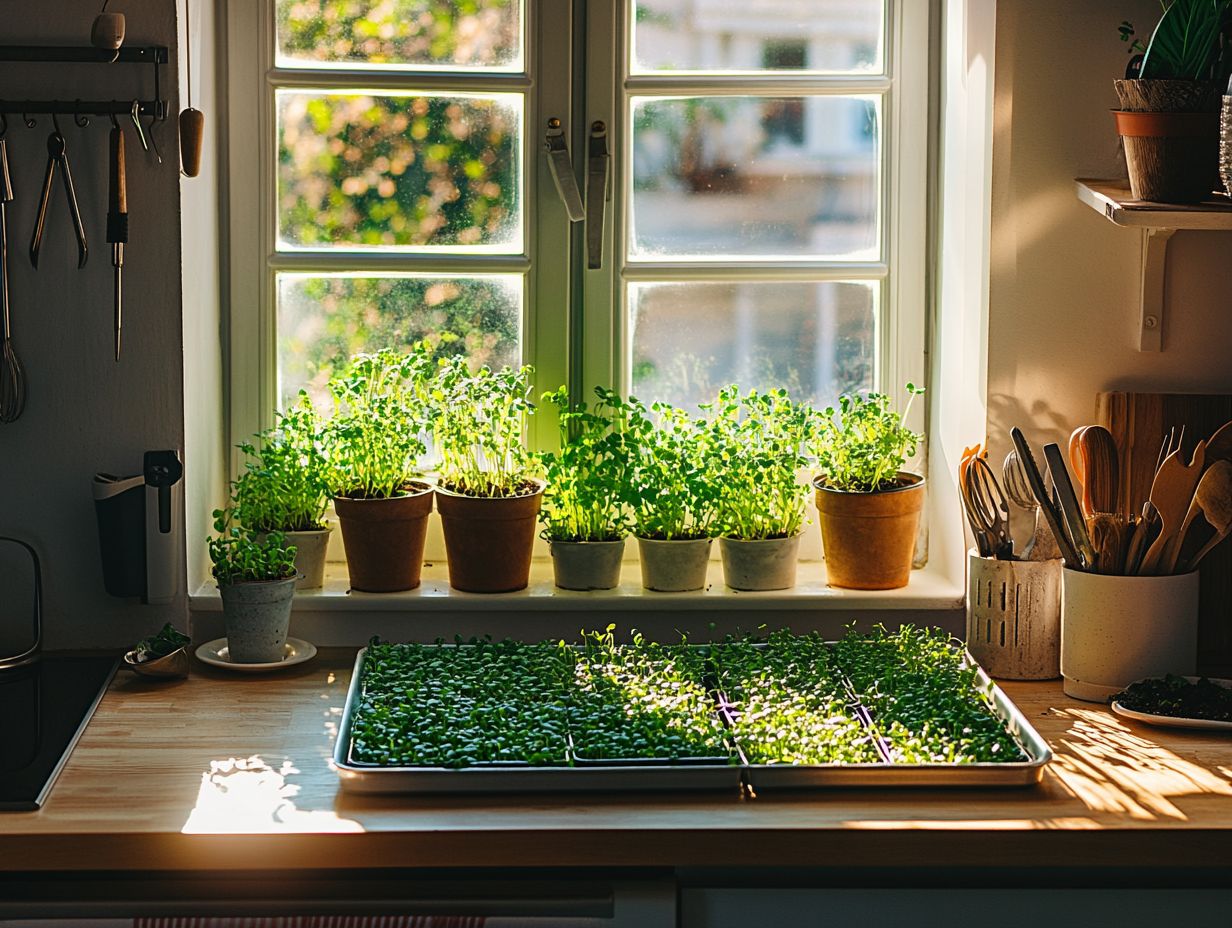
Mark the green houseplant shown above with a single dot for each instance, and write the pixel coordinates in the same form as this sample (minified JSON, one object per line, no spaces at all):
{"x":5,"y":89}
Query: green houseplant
{"x":256,"y":580}
{"x":672,"y":494}
{"x":285,"y":488}
{"x":1169,"y":115}
{"x":759,"y":445}
{"x":584,"y":517}
{"x":869,"y":507}
{"x":374,"y":443}
{"x":488,"y":495}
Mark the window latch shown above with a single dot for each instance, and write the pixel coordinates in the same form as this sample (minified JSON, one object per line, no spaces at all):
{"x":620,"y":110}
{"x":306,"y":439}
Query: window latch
{"x":598,"y":192}
{"x":562,"y":170}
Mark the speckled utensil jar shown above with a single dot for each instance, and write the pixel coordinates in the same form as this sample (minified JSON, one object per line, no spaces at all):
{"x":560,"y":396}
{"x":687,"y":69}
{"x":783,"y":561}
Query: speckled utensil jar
{"x":257,"y":616}
{"x":1225,"y":145}
{"x":587,"y":565}
{"x":1014,"y":617}
{"x":1115,"y":630}
{"x":677,"y":566}
{"x":760,"y":564}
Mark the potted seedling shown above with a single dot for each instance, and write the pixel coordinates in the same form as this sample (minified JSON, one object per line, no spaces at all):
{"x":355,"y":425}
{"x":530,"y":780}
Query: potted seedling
{"x":374,"y":443}
{"x":256,"y":580}
{"x":584,"y":516}
{"x":1170,"y":100}
{"x":869,"y":507}
{"x":284,"y":488}
{"x":759,"y":446}
{"x":488,"y":496}
{"x":672,"y":495}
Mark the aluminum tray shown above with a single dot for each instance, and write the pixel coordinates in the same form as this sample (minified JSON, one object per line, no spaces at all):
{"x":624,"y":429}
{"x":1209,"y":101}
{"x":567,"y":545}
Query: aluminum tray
{"x":514,"y":778}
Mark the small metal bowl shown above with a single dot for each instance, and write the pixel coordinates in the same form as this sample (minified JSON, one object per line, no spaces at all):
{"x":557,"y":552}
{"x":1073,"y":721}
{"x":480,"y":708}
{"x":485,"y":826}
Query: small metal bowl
{"x":168,"y":667}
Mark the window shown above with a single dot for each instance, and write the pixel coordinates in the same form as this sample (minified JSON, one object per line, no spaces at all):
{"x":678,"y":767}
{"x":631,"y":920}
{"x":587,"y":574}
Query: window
{"x":764,"y":221}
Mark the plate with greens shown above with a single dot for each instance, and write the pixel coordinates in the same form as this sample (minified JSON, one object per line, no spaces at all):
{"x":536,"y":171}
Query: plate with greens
{"x":1178,"y":702}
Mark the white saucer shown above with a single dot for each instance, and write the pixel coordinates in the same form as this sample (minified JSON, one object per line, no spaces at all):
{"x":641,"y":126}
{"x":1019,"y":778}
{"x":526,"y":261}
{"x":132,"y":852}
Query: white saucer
{"x":1176,"y":721}
{"x":215,"y":653}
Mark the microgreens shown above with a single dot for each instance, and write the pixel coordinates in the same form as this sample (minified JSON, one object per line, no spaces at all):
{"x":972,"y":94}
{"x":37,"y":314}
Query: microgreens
{"x":864,"y":445}
{"x":284,"y":486}
{"x":168,"y":639}
{"x":239,"y":556}
{"x":586,"y":477}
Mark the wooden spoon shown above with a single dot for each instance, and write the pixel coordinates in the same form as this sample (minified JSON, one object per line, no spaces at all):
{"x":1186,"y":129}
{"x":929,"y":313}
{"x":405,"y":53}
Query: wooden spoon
{"x":1214,"y":496}
{"x":1100,"y":471}
{"x":1077,"y":464}
{"x":1172,"y":492}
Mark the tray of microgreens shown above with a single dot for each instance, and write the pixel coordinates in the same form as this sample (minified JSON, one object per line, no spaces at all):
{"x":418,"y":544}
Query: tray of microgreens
{"x":902,"y":708}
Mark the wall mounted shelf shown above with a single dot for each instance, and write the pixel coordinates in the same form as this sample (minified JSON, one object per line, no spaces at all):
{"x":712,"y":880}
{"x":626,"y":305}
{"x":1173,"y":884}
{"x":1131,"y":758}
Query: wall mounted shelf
{"x":1157,"y":223}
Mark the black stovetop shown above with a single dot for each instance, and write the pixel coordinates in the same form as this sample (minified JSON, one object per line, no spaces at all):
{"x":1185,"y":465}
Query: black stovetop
{"x":43,"y":709}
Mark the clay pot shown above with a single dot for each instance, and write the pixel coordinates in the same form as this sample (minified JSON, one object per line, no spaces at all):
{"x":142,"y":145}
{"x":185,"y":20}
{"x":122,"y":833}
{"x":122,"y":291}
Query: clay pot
{"x":677,"y":566}
{"x":310,"y":548}
{"x":489,"y":540}
{"x":760,"y":564}
{"x":587,"y":565}
{"x":384,"y":539}
{"x":1170,"y":130}
{"x":869,"y":538}
{"x":256,"y":617}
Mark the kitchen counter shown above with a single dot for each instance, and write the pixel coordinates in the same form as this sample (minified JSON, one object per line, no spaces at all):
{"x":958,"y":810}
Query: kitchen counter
{"x":226,"y":772}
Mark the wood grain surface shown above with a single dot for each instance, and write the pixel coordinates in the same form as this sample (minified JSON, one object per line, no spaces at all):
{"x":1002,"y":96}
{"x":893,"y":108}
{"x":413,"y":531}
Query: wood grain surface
{"x":227,"y":772}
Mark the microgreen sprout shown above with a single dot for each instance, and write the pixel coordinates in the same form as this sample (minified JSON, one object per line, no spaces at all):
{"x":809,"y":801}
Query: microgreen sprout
{"x":239,"y":556}
{"x":865,"y":443}
{"x":284,"y":486}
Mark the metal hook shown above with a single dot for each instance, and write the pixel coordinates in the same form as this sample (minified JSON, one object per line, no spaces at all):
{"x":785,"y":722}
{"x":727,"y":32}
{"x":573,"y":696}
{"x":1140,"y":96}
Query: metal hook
{"x":136,"y":117}
{"x":56,"y":122}
{"x":4,"y":124}
{"x":80,"y":120}
{"x":115,"y":123}
{"x":30,"y":121}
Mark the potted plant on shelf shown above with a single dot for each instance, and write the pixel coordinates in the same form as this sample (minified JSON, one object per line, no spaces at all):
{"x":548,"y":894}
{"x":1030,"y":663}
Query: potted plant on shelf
{"x":673,"y":496}
{"x":488,"y":496}
{"x":869,"y":507}
{"x":1169,"y":115}
{"x":759,"y":445}
{"x":256,"y":580}
{"x":374,"y":443}
{"x":284,"y":488}
{"x":584,"y":516}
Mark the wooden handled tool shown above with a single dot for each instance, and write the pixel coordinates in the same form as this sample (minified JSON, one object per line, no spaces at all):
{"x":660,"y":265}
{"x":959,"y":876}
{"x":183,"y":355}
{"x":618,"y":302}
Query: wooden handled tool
{"x":192,"y":126}
{"x":117,"y":223}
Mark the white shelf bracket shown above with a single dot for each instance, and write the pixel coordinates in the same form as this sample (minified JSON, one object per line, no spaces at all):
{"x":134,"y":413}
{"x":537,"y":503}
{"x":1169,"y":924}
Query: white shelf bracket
{"x":1154,"y":265}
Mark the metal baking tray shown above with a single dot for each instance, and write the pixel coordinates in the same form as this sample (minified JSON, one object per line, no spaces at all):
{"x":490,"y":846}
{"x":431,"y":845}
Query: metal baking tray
{"x":626,"y":777}
{"x":515,"y":778}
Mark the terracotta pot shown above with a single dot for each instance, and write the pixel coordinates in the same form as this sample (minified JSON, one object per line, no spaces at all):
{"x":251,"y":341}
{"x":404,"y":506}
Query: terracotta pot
{"x":869,"y":538}
{"x":587,"y":565}
{"x":760,"y":564}
{"x":1171,"y":157}
{"x":256,"y":617}
{"x":384,"y":539}
{"x":489,"y":540}
{"x":677,"y":566}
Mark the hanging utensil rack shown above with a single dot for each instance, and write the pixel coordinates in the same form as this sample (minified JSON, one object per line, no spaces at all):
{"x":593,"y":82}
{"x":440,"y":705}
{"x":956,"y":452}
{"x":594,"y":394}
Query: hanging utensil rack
{"x":153,"y":55}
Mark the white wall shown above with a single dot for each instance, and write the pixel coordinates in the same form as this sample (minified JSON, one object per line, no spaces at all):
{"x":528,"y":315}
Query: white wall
{"x":85,"y":412}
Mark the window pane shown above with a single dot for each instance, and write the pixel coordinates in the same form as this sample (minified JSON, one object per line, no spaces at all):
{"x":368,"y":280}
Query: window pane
{"x":740,"y":177}
{"x":324,"y":320}
{"x":400,"y":171}
{"x":830,"y":36}
{"x":432,"y":34}
{"x":816,"y":340}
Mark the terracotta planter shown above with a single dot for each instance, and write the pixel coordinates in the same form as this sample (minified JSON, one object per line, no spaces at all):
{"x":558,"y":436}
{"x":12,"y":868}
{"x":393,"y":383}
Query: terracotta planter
{"x":257,"y":617}
{"x":1170,"y":130}
{"x":489,"y":540}
{"x":869,"y":538}
{"x":674,"y":566}
{"x":384,"y":539}
{"x":761,"y":564}
{"x":587,"y":565}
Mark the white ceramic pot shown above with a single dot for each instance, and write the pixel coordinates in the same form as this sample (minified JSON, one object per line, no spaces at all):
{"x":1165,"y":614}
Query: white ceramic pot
{"x":310,"y":548}
{"x":1115,"y":630}
{"x":587,"y":565}
{"x":761,"y":564}
{"x":674,"y":566}
{"x":1014,"y":617}
{"x":257,"y":617}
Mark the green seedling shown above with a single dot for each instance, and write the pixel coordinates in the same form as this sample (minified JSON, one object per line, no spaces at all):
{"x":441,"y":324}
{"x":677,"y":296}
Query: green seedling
{"x":865,"y":443}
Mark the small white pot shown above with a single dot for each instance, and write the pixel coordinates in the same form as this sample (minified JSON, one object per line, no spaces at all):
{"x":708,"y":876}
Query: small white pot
{"x":587,"y":565}
{"x":310,"y":548}
{"x":1115,"y":630}
{"x":760,"y":564}
{"x":674,"y":566}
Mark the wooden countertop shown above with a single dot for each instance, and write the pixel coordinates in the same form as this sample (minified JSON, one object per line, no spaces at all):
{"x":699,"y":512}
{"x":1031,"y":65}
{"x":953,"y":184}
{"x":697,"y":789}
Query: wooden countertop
{"x":226,"y":772}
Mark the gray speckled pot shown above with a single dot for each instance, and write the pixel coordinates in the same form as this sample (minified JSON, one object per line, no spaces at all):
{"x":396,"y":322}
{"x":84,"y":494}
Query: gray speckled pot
{"x":674,"y":566}
{"x":587,"y":565}
{"x":764,"y":564}
{"x":257,"y":616}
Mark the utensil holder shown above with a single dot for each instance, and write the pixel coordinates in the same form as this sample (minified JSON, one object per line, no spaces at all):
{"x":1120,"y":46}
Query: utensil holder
{"x":1116,"y":630}
{"x":1225,"y":145}
{"x":1014,"y":617}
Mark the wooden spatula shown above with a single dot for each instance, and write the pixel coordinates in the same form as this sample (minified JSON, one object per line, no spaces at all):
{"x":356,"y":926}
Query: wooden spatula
{"x":1172,"y":492}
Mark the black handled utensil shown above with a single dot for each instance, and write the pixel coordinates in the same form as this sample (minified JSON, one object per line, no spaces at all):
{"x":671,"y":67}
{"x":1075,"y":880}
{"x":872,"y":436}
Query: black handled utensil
{"x":1052,"y":512}
{"x":117,"y":223}
{"x":1071,"y":509}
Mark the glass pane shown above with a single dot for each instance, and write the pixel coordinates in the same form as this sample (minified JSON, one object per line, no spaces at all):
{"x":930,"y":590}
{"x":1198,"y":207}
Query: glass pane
{"x":741,"y":177}
{"x":400,"y":171}
{"x":420,"y":34}
{"x":816,"y":340}
{"x":828,"y":36}
{"x":325,"y":319}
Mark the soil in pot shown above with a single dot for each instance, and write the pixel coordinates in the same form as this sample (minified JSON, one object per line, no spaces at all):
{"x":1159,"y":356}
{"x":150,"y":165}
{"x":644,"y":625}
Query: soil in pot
{"x":587,"y":565}
{"x":869,"y":538}
{"x":384,"y":539}
{"x":677,"y":566}
{"x":489,"y":540}
{"x":760,"y":564}
{"x":257,"y":616}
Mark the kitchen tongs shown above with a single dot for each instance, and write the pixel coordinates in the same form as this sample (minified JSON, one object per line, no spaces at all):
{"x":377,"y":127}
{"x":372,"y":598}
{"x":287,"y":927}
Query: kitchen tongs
{"x":57,"y":156}
{"x":1051,"y":508}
